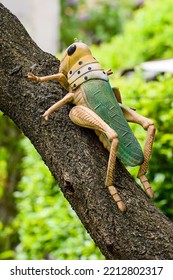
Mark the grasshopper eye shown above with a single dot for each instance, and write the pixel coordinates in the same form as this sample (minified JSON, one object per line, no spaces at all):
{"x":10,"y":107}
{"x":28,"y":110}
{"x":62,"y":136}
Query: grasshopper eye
{"x":71,"y":50}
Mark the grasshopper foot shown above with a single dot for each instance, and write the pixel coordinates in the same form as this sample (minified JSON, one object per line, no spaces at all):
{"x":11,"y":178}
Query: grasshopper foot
{"x":46,"y":115}
{"x":117,"y":198}
{"x":33,"y":77}
{"x":146,"y":186}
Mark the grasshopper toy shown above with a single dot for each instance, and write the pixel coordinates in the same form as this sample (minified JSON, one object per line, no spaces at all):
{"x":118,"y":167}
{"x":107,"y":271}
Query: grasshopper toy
{"x":99,"y":107}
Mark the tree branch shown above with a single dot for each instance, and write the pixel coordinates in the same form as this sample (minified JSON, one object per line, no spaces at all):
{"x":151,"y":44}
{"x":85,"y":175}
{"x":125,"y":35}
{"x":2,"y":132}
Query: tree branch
{"x":75,"y":156}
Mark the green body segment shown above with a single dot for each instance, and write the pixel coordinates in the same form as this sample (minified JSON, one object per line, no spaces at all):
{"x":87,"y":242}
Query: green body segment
{"x":100,"y":97}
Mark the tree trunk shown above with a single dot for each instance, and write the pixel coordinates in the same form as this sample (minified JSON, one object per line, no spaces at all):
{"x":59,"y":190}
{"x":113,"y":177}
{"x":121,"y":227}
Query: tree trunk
{"x":75,"y":156}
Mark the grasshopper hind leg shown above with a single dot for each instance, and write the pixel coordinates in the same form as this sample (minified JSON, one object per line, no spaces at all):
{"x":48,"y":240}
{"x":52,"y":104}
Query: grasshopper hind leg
{"x":85,"y":117}
{"x":148,"y":125}
{"x":110,"y":175}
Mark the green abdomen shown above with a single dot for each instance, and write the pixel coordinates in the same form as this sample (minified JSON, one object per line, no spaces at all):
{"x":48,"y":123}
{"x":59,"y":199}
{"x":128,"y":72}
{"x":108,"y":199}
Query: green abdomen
{"x":101,"y":99}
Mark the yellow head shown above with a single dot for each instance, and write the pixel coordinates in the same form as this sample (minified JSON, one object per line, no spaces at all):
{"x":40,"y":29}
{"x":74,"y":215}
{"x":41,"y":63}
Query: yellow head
{"x":77,"y":52}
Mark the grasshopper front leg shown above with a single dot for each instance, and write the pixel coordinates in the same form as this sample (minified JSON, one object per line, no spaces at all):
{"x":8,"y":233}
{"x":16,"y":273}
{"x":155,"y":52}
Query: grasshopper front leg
{"x":63,"y":81}
{"x":67,"y":98}
{"x":85,"y":117}
{"x":59,"y":77}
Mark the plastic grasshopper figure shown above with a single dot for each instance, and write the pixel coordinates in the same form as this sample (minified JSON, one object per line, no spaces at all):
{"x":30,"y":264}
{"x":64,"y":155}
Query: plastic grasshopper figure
{"x":99,"y":107}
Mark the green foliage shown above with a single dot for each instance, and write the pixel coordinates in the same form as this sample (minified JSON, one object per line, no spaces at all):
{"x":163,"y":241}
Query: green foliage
{"x":11,"y":154}
{"x":93,"y":22}
{"x":146,"y":37}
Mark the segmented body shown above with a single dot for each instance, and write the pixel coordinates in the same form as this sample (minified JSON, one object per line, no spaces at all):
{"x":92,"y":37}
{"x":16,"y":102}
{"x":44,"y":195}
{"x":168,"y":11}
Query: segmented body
{"x":92,"y":89}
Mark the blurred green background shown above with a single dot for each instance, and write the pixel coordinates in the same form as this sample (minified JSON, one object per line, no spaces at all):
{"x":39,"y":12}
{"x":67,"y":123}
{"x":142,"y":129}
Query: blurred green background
{"x":36,"y":222}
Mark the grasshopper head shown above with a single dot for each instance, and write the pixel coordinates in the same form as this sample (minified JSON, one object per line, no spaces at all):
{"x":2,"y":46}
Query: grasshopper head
{"x":77,"y":52}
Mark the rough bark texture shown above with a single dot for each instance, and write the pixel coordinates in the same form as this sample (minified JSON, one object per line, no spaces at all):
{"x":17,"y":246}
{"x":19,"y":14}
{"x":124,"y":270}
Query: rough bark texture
{"x":75,"y":156}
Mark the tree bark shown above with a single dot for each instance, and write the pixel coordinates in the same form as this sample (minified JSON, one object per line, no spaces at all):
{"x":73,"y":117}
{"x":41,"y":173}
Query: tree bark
{"x":75,"y":156}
